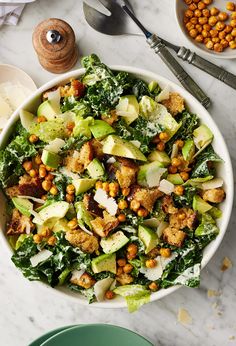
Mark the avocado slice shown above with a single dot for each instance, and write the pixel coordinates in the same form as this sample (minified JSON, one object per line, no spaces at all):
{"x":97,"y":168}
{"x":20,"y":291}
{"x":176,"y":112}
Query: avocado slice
{"x":23,"y":205}
{"x":96,"y":169}
{"x":113,"y":243}
{"x":115,"y":145}
{"x":83,"y":185}
{"x":83,"y":216}
{"x":202,"y":136}
{"x":152,"y":86}
{"x":160,"y":156}
{"x":148,"y":237}
{"x":188,"y":150}
{"x":27,"y":119}
{"x":104,"y":263}
{"x":54,"y":212}
{"x":200,"y":205}
{"x":150,"y":174}
{"x":100,"y":129}
{"x":48,"y":109}
{"x":50,"y":159}
{"x":128,"y":108}
{"x":175,"y":179}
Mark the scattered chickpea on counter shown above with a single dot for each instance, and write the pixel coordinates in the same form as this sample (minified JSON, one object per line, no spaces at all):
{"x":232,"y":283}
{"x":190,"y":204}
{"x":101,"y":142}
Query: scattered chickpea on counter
{"x":208,"y":25}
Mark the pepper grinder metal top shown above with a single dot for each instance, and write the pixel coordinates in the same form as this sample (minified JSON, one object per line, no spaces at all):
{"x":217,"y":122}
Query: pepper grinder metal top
{"x":54,"y":43}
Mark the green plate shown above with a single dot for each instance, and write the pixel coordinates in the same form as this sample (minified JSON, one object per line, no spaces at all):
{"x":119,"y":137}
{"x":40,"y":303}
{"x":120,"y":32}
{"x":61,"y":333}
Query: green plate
{"x":48,"y":335}
{"x":96,"y":335}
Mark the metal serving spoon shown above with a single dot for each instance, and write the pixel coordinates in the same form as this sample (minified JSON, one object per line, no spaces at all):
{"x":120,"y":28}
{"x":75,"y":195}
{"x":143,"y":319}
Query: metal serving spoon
{"x":117,"y":24}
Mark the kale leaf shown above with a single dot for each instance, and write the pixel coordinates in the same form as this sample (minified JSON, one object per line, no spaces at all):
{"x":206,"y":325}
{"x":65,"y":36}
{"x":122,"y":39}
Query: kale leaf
{"x":187,"y":198}
{"x":203,"y":166}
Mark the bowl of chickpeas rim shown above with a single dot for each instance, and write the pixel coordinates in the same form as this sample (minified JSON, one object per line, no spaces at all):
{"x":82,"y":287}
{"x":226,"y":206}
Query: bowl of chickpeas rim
{"x":209,"y":25}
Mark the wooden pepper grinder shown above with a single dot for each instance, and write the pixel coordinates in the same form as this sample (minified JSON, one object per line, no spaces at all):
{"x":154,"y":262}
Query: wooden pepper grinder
{"x":54,"y":43}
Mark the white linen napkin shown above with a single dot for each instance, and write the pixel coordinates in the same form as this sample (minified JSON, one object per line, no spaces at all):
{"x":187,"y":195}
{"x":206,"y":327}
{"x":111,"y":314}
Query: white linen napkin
{"x":10,"y":11}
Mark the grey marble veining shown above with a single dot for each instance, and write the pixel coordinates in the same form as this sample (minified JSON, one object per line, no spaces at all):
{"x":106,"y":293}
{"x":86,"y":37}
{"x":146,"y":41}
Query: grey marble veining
{"x":28,"y":311}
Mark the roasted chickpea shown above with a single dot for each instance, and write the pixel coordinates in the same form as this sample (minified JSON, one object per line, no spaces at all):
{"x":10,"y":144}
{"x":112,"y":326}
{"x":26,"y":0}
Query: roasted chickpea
{"x":206,"y":13}
{"x":119,"y":271}
{"x":98,"y":185}
{"x":205,"y":33}
{"x":33,"y":138}
{"x":189,"y":26}
{"x":52,"y":240}
{"x":232,"y":44}
{"x":160,"y":146}
{"x":184,"y":176}
{"x":212,"y":20}
{"x":209,"y":45}
{"x":109,"y":295}
{"x":201,"y":5}
{"x":134,"y":205}
{"x":181,"y":215}
{"x":197,"y":13}
{"x":233,"y":23}
{"x":192,"y":7}
{"x":132,"y":251}
{"x":188,"y":2}
{"x":121,"y":218}
{"x":194,"y":20}
{"x":230,"y":6}
{"x":70,"y":198}
{"x":151,"y":263}
{"x":122,"y":204}
{"x":188,"y":13}
{"x":179,"y":143}
{"x":176,"y":162}
{"x":113,"y":193}
{"x":222,"y":34}
{"x":33,"y":173}
{"x":222,"y":16}
{"x":207,"y":2}
{"x":233,"y":32}
{"x":121,"y":262}
{"x":70,"y":189}
{"x":224,"y":43}
{"x":233,"y":15}
{"x":54,"y":190}
{"x":193,"y":33}
{"x":206,"y":39}
{"x":207,"y":27}
{"x":153,"y":286}
{"x":218,"y":47}
{"x":142,"y":212}
{"x":105,"y":186}
{"x":50,"y":176}
{"x":179,"y":190}
{"x":215,"y":39}
{"x":37,"y":238}
{"x":42,"y":172}
{"x":214,"y":33}
{"x":220,"y":26}
{"x":27,"y":165}
{"x":228,"y":29}
{"x":128,"y":268}
{"x":163,"y":136}
{"x":172,"y":169}
{"x":72,"y":224}
{"x":46,"y":232}
{"x":229,"y":37}
{"x":203,"y":20}
{"x":198,"y":27}
{"x":165,"y":252}
{"x":214,"y":11}
{"x":125,"y":191}
{"x":38,"y":160}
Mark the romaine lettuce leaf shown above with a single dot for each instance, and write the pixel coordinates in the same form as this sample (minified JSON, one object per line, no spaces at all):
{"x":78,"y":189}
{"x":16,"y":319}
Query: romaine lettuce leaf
{"x":202,"y":167}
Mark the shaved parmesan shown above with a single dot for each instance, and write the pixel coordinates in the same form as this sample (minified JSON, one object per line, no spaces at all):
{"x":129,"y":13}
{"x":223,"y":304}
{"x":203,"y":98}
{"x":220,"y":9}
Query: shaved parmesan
{"x":54,"y":97}
{"x":111,"y":160}
{"x":37,"y":200}
{"x":163,"y":225}
{"x":76,"y":274}
{"x":156,"y":272}
{"x":136,"y":143}
{"x":108,"y":203}
{"x":212,"y":184}
{"x":55,"y":145}
{"x":101,"y":287}
{"x":175,"y":150}
{"x":166,"y":187}
{"x":164,"y":94}
{"x":184,"y":317}
{"x":65,"y":171}
{"x":40,"y":257}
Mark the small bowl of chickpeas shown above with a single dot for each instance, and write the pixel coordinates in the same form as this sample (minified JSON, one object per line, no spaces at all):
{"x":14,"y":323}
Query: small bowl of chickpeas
{"x":210,"y":25}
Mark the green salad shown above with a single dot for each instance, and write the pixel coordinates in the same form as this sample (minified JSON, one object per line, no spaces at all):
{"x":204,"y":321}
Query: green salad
{"x":111,"y":188}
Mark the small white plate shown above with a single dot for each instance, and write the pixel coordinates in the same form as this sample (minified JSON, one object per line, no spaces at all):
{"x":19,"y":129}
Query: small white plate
{"x":10,"y":73}
{"x":180,"y":7}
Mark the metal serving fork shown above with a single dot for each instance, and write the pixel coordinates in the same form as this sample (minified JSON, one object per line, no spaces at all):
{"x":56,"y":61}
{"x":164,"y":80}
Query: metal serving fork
{"x":117,"y":24}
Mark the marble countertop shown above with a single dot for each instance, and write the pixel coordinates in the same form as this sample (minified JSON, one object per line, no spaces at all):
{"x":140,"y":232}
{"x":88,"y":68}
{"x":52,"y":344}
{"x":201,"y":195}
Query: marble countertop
{"x":28,"y":311}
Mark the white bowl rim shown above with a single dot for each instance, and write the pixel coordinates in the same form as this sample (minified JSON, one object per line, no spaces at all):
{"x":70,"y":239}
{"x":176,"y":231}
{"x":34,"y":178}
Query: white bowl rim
{"x":204,"y":114}
{"x":209,"y":53}
{"x":31,"y":85}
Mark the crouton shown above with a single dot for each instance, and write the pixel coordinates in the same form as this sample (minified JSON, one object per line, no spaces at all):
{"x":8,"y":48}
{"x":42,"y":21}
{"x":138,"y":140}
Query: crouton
{"x":189,"y":220}
{"x":124,"y":279}
{"x":214,"y":195}
{"x":168,"y":205}
{"x":102,"y":226}
{"x":86,"y":242}
{"x":91,"y":205}
{"x":27,"y":186}
{"x":147,"y":197}
{"x":110,"y":118}
{"x":97,"y":148}
{"x":173,"y":236}
{"x":19,"y":223}
{"x":86,"y":281}
{"x":174,"y":104}
{"x":77,"y":161}
{"x":126,"y":175}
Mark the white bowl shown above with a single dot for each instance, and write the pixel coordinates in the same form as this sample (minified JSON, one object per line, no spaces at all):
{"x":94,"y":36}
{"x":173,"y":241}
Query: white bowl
{"x":224,"y":170}
{"x":180,"y":7}
{"x":10,"y":73}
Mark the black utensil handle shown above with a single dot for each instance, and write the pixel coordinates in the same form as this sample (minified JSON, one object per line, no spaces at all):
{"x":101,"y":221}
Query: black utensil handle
{"x":188,"y":83}
{"x":207,"y":66}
